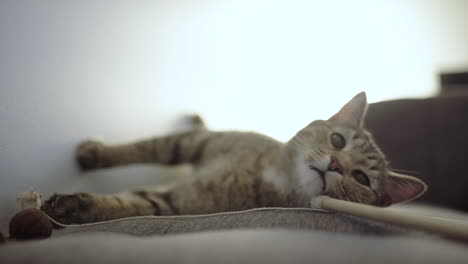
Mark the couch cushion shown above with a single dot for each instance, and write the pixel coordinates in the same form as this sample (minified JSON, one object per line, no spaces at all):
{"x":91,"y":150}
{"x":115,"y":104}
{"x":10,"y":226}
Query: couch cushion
{"x":291,"y":218}
{"x":264,"y":235}
{"x":236,"y":246}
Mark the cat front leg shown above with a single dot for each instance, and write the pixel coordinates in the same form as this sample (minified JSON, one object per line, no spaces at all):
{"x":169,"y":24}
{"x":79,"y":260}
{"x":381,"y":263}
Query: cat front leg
{"x":187,"y":147}
{"x":183,"y":147}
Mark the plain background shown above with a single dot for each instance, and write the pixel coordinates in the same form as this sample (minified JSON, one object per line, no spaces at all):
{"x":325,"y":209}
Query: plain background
{"x":121,"y":70}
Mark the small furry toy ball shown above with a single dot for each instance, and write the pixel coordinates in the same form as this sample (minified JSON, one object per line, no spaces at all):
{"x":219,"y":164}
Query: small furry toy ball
{"x":29,"y":224}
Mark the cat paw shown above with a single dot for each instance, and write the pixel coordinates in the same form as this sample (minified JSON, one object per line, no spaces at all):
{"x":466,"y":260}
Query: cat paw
{"x":189,"y":122}
{"x":89,"y":155}
{"x":196,"y":121}
{"x":69,"y":208}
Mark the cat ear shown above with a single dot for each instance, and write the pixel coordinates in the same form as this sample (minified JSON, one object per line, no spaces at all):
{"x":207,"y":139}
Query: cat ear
{"x":353,"y":112}
{"x":401,"y":188}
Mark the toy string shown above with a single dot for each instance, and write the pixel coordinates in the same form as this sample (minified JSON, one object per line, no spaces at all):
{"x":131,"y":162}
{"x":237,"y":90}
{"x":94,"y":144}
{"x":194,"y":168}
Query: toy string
{"x":456,"y":229}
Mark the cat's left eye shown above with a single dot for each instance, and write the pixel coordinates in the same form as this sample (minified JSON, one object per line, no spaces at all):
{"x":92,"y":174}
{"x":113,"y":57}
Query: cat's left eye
{"x":337,"y":141}
{"x":360,"y":177}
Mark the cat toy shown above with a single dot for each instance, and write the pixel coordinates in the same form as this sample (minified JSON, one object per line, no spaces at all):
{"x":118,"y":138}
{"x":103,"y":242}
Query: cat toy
{"x":451,"y":228}
{"x":30,"y":222}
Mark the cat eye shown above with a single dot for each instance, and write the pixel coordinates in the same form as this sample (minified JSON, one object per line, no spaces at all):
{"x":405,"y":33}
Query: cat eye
{"x":337,"y":141}
{"x":360,"y":177}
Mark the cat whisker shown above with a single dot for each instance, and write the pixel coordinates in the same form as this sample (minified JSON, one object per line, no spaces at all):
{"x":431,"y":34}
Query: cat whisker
{"x":343,"y":191}
{"x":298,"y":150}
{"x":297,"y":144}
{"x":406,"y":171}
{"x":301,"y":140}
{"x":316,"y":153}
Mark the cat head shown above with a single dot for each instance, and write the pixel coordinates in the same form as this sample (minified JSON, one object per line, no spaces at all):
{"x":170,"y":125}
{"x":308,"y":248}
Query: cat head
{"x":341,"y":158}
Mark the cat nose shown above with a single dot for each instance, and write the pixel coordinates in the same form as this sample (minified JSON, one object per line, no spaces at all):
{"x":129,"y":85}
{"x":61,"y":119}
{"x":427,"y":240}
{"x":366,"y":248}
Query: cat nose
{"x":335,"y":165}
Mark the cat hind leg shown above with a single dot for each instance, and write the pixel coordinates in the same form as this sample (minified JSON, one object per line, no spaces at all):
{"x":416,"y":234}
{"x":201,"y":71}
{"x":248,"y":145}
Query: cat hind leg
{"x":79,"y":208}
{"x":168,"y":150}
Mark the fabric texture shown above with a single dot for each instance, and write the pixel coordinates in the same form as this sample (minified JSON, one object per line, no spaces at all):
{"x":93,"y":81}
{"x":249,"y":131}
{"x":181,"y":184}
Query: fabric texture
{"x":291,"y":218}
{"x":265,"y":235}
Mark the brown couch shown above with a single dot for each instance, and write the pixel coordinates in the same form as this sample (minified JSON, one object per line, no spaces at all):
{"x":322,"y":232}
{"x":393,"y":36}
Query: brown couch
{"x":430,"y":138}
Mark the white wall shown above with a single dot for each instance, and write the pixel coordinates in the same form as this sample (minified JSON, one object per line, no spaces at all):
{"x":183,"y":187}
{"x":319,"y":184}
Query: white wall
{"x":124,"y":69}
{"x":69,"y":71}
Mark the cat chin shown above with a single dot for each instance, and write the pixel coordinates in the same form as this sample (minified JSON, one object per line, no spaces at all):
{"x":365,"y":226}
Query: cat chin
{"x":310,"y":183}
{"x":331,"y":178}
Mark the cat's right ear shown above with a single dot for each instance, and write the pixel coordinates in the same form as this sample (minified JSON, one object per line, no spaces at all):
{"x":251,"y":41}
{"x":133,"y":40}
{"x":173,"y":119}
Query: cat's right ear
{"x":402,"y":188}
{"x":353,"y":112}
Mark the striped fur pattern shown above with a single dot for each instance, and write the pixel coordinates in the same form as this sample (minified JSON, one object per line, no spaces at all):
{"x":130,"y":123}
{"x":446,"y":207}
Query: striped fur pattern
{"x":242,"y":170}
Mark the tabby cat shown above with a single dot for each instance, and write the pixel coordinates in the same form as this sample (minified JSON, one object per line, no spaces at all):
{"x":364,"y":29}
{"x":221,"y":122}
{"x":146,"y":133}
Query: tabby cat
{"x":243,"y":170}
